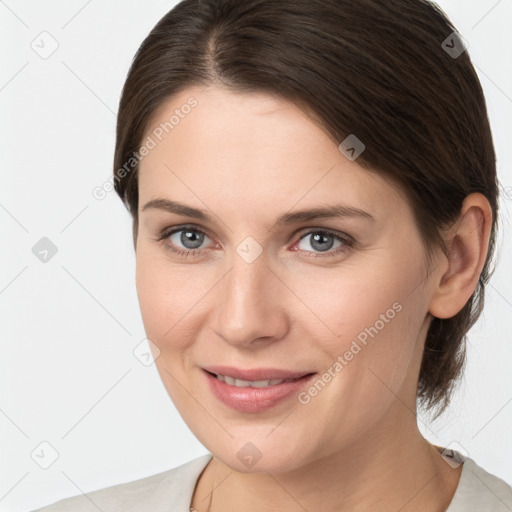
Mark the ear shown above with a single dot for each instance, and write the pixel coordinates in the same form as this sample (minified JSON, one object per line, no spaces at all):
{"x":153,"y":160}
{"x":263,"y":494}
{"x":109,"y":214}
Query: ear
{"x":467,"y":243}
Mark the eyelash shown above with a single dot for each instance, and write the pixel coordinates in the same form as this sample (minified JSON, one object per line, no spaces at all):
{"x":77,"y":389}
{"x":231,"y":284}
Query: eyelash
{"x":346,"y":240}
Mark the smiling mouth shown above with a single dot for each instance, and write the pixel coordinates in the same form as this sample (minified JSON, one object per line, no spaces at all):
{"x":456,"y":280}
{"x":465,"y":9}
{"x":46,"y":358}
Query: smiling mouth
{"x":242,"y":383}
{"x":256,"y":396}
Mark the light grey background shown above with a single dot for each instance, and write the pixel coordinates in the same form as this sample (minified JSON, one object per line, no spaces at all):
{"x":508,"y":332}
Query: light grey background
{"x":68,"y":374}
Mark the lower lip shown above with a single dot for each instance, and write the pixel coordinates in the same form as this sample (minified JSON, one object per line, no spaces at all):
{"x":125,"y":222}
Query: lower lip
{"x":249,"y":399}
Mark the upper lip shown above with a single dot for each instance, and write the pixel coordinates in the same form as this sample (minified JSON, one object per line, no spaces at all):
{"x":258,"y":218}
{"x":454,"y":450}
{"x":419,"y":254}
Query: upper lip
{"x":255,"y":373}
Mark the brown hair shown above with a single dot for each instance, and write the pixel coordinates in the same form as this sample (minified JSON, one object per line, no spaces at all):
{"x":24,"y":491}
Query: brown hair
{"x":374,"y":68}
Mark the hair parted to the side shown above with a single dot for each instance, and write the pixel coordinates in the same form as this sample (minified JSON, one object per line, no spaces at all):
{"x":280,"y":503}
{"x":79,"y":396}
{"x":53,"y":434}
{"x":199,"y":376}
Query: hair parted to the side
{"x":373,"y":68}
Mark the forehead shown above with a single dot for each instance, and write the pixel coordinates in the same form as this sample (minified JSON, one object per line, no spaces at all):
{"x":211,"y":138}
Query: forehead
{"x":253,"y":150}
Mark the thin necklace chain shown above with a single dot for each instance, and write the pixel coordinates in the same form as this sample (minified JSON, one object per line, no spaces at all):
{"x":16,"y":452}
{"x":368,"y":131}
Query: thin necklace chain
{"x":192,"y":509}
{"x":211,"y":494}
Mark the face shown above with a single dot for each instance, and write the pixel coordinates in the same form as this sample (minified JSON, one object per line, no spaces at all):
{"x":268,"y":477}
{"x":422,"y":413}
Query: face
{"x":250,"y":285}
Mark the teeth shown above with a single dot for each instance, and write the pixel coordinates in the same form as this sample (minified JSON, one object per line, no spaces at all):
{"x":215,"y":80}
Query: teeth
{"x":251,"y":383}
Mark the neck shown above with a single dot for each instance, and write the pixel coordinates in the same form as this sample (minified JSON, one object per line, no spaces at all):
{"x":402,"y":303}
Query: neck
{"x":388,"y":469}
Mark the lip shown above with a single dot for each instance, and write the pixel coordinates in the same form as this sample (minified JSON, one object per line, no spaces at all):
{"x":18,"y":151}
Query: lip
{"x":254,"y":400}
{"x":255,"y":373}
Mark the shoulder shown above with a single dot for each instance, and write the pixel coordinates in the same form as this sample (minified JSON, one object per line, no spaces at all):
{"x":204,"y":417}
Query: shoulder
{"x":169,"y":490}
{"x":481,"y":491}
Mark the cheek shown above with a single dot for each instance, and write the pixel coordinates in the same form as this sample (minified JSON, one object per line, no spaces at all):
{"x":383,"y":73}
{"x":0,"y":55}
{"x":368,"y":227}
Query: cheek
{"x":370,"y":357}
{"x":159,"y":290}
{"x":360,"y":301}
{"x":168,"y":297}
{"x":372,"y":319}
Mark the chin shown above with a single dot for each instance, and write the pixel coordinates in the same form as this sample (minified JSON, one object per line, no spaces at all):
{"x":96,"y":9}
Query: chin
{"x":259,"y":454}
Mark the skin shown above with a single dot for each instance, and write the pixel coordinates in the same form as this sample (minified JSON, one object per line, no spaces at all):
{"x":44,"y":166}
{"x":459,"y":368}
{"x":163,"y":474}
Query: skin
{"x":247,"y":159}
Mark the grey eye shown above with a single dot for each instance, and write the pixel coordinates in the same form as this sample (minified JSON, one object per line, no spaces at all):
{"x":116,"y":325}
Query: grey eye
{"x":320,"y":241}
{"x":189,"y":238}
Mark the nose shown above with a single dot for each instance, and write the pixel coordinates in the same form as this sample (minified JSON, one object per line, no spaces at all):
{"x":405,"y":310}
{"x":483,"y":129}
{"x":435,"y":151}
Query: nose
{"x":250,"y":304}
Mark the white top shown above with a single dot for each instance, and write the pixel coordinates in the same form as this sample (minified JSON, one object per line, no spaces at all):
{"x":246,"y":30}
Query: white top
{"x":171,"y":491}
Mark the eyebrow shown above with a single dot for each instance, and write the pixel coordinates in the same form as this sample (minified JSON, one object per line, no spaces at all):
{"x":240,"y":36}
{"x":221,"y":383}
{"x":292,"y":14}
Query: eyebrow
{"x":327,"y":212}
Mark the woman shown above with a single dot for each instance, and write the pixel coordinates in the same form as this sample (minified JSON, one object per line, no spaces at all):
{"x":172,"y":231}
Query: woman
{"x":314,"y":199}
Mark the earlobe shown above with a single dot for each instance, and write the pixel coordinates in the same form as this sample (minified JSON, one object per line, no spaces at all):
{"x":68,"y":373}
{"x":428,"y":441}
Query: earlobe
{"x":467,"y":243}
